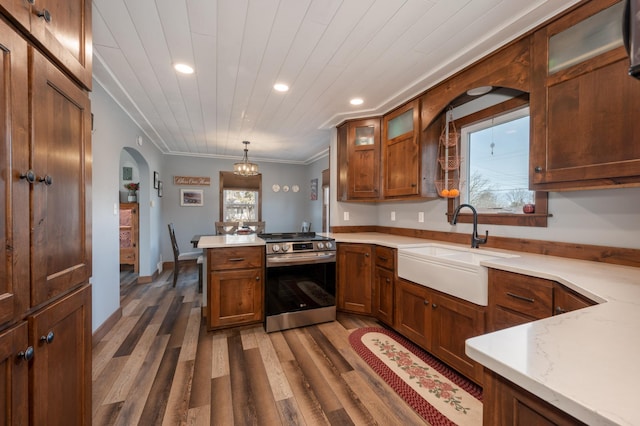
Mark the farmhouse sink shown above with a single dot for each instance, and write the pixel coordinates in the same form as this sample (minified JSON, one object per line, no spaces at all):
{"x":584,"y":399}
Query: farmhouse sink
{"x":450,"y":269}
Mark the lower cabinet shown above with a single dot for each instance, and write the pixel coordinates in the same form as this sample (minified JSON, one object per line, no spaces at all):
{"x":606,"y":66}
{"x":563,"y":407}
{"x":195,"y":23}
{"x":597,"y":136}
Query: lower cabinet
{"x":440,"y":324}
{"x":505,"y":403}
{"x":45,"y":365}
{"x":235,"y":293}
{"x":383,"y":284}
{"x":355,"y":272}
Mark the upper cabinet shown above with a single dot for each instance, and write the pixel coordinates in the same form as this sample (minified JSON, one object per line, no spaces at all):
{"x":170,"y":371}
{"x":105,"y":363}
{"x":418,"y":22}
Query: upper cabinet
{"x":359,"y":162}
{"x":401,"y":151}
{"x":61,"y":28}
{"x":584,"y":104}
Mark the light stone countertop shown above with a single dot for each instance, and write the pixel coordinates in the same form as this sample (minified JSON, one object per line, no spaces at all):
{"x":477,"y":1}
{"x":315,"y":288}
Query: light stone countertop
{"x":585,"y":362}
{"x":219,"y":241}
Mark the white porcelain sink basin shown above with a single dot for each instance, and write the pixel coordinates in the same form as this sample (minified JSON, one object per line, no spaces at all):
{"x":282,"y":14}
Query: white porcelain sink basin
{"x":450,"y":269}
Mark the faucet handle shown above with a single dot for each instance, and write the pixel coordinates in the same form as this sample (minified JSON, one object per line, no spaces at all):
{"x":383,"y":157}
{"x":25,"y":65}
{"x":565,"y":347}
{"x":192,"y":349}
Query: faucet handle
{"x":482,"y":240}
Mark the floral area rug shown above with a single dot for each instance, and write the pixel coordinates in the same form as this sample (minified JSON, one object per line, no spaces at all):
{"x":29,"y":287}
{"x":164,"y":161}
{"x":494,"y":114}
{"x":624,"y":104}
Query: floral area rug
{"x":440,"y":395}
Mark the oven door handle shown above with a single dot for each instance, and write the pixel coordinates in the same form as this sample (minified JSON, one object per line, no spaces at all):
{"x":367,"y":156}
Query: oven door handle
{"x":298,"y":260}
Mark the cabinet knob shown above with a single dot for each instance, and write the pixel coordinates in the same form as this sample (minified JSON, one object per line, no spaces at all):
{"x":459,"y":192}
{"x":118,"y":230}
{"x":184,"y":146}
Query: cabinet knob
{"x":29,"y":176}
{"x":366,"y":255}
{"x":27,"y":354}
{"x":434,"y":306}
{"x":426,"y":302}
{"x":258,"y":278}
{"x":538,"y":169}
{"x":45,"y":14}
{"x":48,"y":180}
{"x":388,"y":280}
{"x":48,"y":338}
{"x":559,"y":310}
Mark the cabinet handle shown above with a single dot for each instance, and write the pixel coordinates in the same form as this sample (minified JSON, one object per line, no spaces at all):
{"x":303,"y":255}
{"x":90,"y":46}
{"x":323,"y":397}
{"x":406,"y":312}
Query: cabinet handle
{"x":434,"y":306}
{"x":29,"y":176}
{"x":48,"y":338}
{"x":559,"y":310}
{"x":366,"y":255}
{"x":45,"y":14}
{"x":538,"y":169}
{"x":517,"y":296}
{"x":388,"y":280}
{"x":383,"y":259}
{"x":413,"y":185}
{"x":426,"y":302}
{"x":257,"y":278}
{"x":48,"y":180}
{"x":236,"y":259}
{"x":27,"y":354}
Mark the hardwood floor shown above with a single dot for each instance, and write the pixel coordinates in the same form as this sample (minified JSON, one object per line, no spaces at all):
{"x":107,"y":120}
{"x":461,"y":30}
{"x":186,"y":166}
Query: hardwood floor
{"x":159,"y":365}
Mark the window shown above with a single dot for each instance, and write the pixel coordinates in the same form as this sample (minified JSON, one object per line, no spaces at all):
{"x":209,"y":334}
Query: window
{"x":240,"y":198}
{"x":495,"y":176}
{"x":498,"y":184}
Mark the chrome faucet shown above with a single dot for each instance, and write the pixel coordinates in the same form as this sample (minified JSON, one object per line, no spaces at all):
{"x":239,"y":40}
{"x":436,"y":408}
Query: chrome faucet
{"x":475,"y":241}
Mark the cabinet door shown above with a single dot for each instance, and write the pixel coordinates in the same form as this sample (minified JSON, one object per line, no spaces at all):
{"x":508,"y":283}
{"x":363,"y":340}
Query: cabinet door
{"x":235,"y":297}
{"x":66,"y":35}
{"x":61,"y":217}
{"x":18,"y":10}
{"x":129,"y":235}
{"x":14,"y":376}
{"x":355,"y":273}
{"x":61,"y":369}
{"x":364,"y":159}
{"x":413,"y":313}
{"x":14,"y":161}
{"x":565,"y":300}
{"x":401,"y":152}
{"x":584,"y":115}
{"x":383,"y":289}
{"x":454,"y":321}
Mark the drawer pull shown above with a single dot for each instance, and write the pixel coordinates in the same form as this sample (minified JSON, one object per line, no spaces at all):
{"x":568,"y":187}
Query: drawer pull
{"x":382,"y":259}
{"x":517,"y":296}
{"x":236,"y":259}
{"x":560,"y":310}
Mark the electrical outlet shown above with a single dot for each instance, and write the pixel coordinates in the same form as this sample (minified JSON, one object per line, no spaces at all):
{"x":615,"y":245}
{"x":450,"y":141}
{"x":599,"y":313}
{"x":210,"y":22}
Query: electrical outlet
{"x":420,"y":216}
{"x":393,"y":216}
{"x":346,"y":216}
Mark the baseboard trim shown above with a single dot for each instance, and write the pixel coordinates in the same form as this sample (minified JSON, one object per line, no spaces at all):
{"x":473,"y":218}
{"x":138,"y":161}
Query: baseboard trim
{"x":147,"y":279}
{"x":106,"y":327}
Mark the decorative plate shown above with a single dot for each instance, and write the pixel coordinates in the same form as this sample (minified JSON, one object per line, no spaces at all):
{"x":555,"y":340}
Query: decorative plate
{"x":285,"y":188}
{"x":295,"y":188}
{"x":276,"y":188}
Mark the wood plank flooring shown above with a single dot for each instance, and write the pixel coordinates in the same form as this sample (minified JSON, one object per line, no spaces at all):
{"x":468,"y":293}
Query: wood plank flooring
{"x":159,"y":365}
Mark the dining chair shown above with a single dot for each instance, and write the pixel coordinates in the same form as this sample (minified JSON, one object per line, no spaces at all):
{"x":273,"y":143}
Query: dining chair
{"x":177,"y":257}
{"x":255,"y":227}
{"x":226,"y":228}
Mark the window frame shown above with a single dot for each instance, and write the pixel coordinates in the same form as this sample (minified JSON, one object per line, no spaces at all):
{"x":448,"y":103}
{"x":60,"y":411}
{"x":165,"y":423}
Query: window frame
{"x":537,"y":219}
{"x":231,"y":181}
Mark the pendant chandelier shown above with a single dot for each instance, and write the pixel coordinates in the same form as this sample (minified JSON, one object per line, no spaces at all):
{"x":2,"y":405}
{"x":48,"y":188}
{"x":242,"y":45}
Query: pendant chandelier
{"x":245,"y":167}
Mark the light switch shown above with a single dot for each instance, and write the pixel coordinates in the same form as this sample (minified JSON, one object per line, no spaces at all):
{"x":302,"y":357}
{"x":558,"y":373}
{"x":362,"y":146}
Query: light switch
{"x":393,"y":216}
{"x":346,"y":216}
{"x":420,"y":216}
{"x":115,"y":209}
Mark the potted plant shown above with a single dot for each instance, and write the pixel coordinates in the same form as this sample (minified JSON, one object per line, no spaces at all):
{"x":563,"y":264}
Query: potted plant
{"x":132,"y":187}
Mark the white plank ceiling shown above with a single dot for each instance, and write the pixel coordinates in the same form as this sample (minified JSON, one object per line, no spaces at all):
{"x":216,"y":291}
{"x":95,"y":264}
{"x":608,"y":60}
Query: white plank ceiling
{"x":327,"y":51}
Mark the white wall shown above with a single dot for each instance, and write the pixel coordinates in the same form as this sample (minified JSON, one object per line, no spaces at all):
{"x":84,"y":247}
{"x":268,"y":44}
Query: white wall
{"x":607,"y":217}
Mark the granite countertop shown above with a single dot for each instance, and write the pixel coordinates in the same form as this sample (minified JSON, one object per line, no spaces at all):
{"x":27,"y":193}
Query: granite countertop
{"x":585,"y":362}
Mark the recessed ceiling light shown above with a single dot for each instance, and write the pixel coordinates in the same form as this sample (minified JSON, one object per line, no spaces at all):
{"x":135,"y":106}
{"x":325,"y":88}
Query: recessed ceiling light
{"x":281,"y":87}
{"x":356,"y":101}
{"x":183,"y":68}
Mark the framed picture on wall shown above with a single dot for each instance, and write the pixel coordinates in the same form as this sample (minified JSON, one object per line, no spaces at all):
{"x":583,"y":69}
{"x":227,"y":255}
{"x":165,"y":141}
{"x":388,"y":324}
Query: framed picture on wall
{"x":192,"y":197}
{"x":127,"y":173}
{"x":159,"y":188}
{"x":156,"y":179}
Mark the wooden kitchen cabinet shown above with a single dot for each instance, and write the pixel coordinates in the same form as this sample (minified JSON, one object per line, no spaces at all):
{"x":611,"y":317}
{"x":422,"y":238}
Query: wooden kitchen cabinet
{"x":505,"y":403}
{"x":61,"y":28}
{"x":583,"y":113}
{"x":383,"y":284}
{"x":129,"y":225}
{"x":45,"y":176}
{"x":455,"y":321}
{"x":355,"y":273}
{"x":566,"y":300}
{"x":517,"y":299}
{"x":235,"y":293}
{"x":359,"y":160}
{"x":413,"y":315}
{"x":401,"y":175}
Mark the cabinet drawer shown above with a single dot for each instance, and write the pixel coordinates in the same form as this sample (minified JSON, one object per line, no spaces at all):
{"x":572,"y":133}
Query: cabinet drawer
{"x":520,"y":293}
{"x":385,"y":257}
{"x":235,"y":258}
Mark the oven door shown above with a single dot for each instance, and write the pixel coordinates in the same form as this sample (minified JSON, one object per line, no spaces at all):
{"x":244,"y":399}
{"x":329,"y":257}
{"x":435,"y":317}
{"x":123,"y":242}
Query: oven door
{"x":294,"y":285}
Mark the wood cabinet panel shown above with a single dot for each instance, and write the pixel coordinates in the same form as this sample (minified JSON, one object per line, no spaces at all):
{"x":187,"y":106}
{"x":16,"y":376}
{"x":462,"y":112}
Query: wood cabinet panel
{"x":355,"y":273}
{"x":129,"y":225}
{"x":566,"y":300}
{"x":504,"y":403}
{"x":359,"y":162}
{"x":14,"y":376}
{"x":401,"y":155}
{"x":236,"y":297}
{"x":455,"y":321}
{"x":61,"y":219}
{"x":14,"y":161}
{"x":236,"y":258}
{"x":412,"y":313}
{"x":383,"y":288}
{"x":61,"y":369}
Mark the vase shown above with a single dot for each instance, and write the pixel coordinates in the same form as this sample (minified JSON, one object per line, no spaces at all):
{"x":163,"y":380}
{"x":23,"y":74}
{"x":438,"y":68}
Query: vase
{"x":132,"y":198}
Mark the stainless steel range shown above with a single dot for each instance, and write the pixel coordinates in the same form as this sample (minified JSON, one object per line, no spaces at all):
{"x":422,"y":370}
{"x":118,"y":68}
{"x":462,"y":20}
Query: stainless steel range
{"x":300,"y":287}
